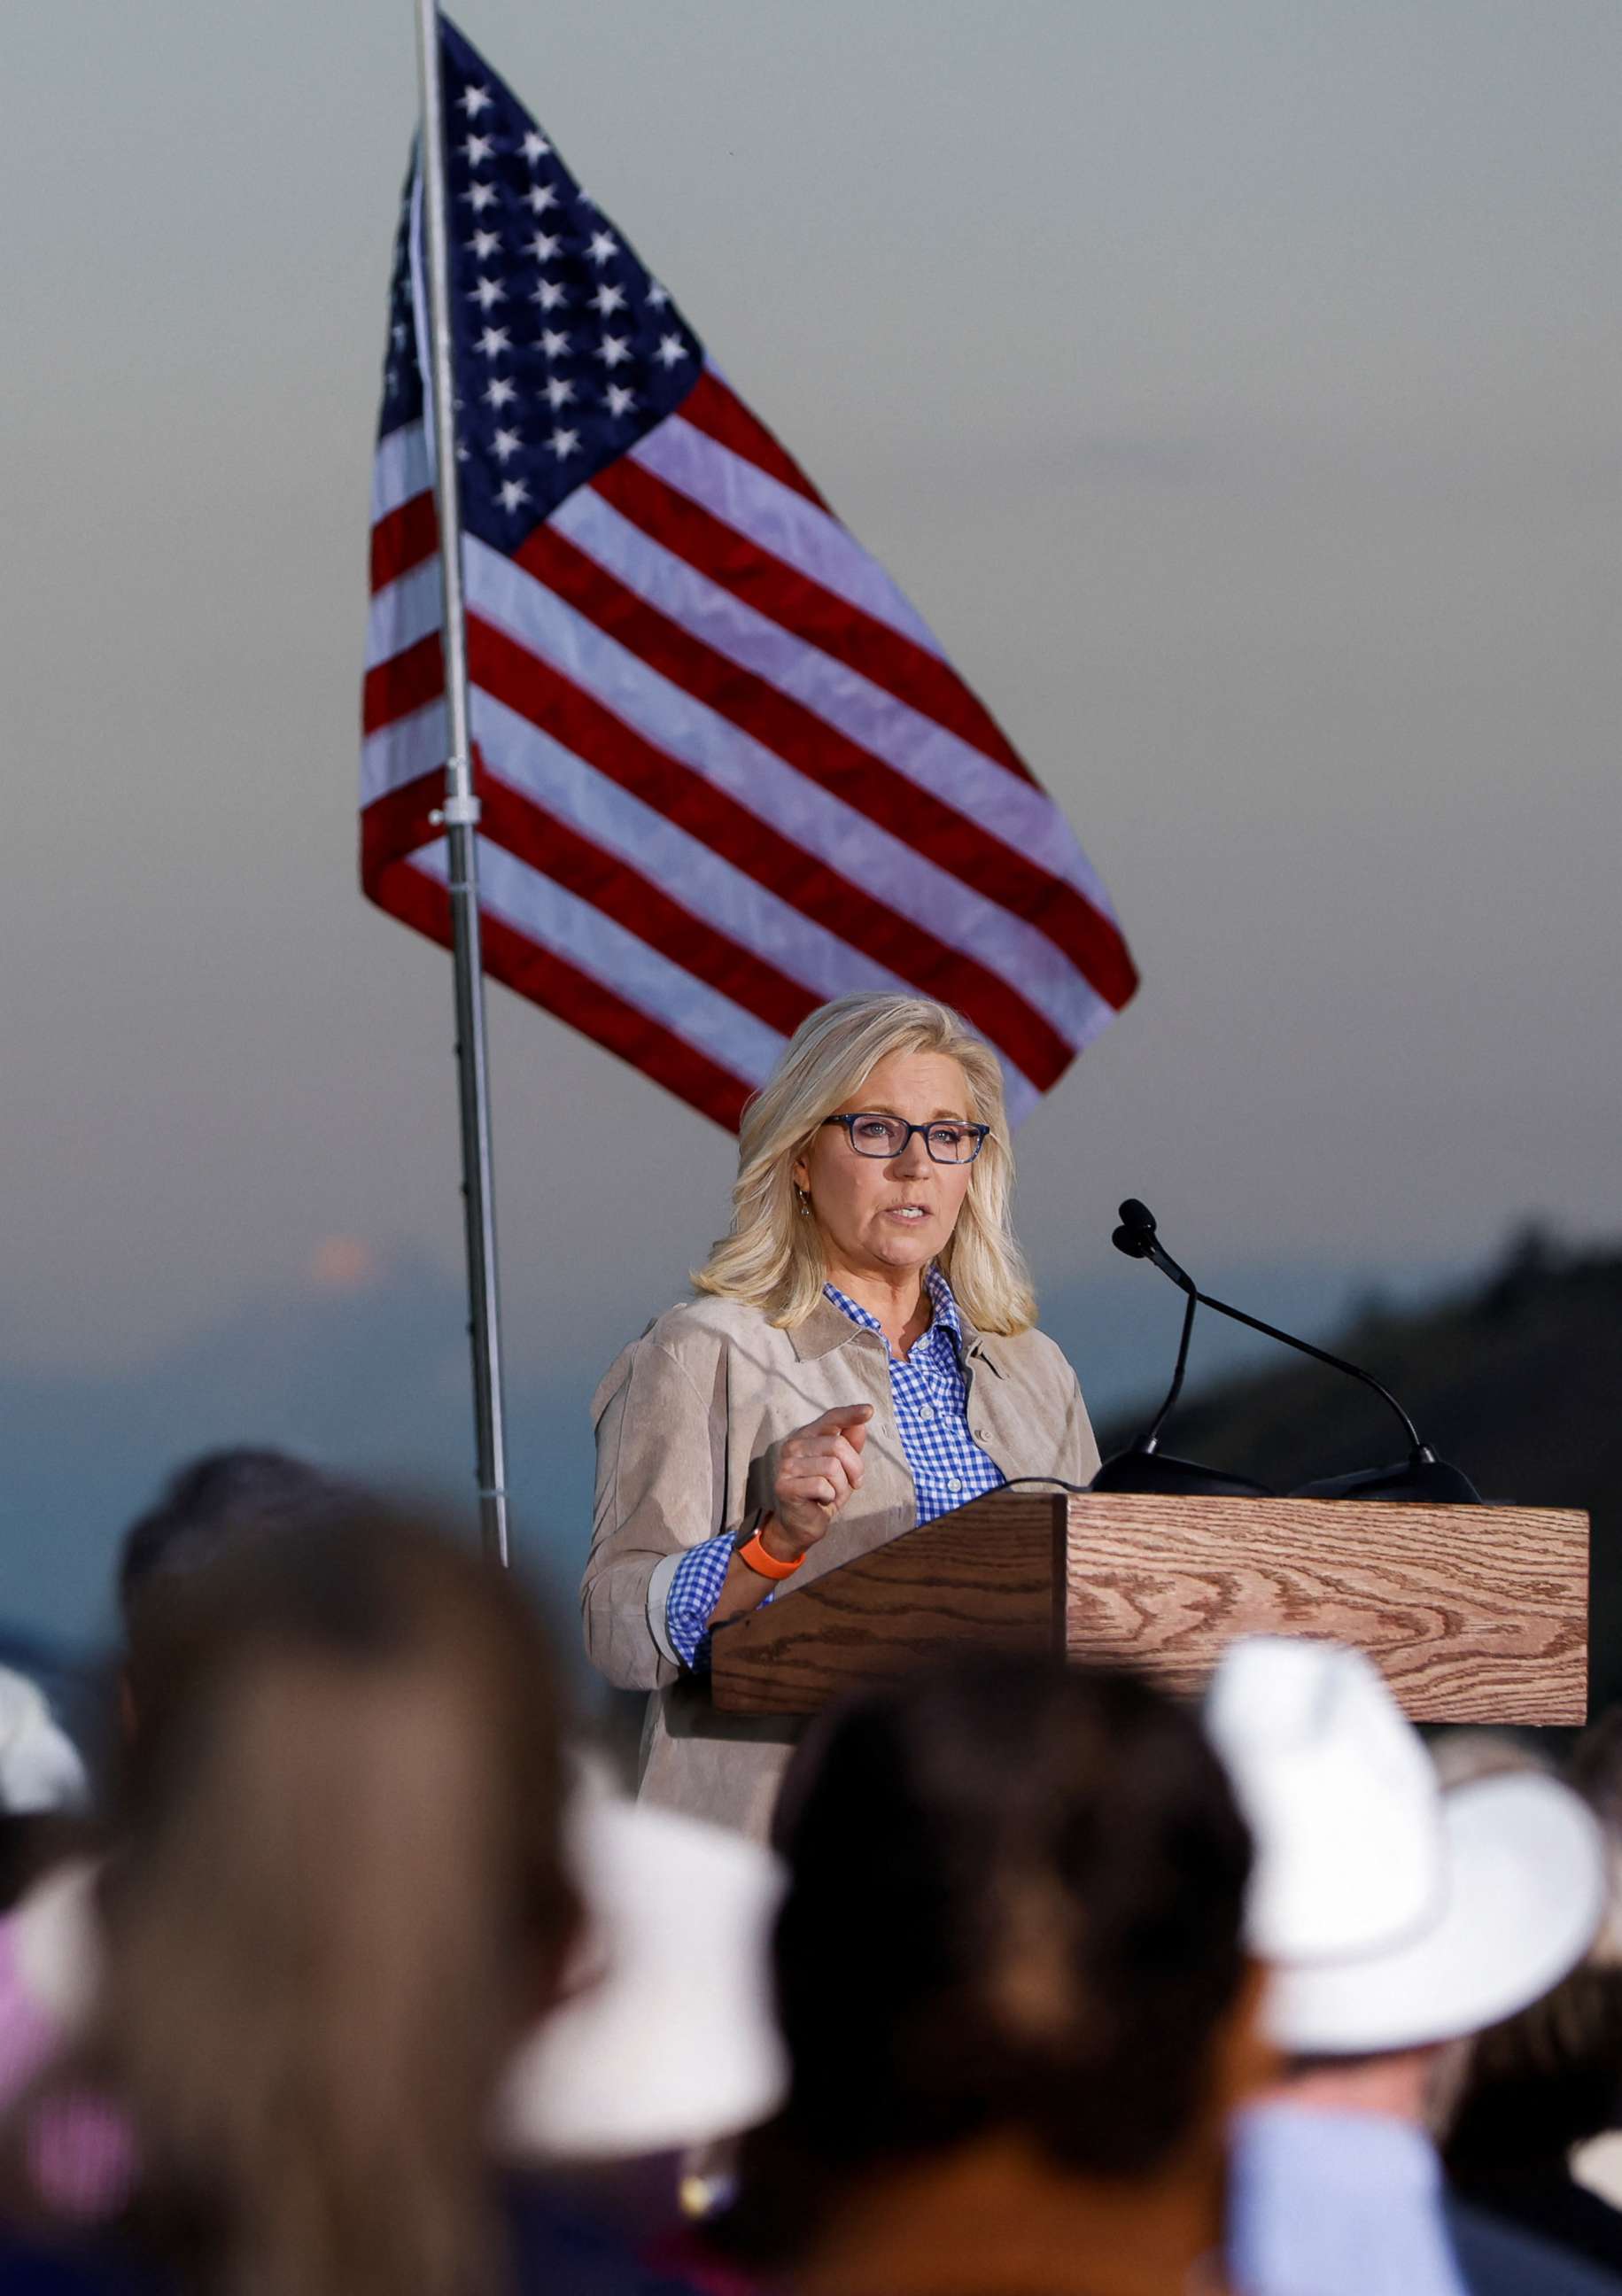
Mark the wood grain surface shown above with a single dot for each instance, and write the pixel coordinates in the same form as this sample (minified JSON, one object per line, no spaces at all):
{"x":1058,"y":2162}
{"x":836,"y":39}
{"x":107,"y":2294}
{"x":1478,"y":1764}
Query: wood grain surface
{"x":1473,"y":1614}
{"x":987,"y":1576}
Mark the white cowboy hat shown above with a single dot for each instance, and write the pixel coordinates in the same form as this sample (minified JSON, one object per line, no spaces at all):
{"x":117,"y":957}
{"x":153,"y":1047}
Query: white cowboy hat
{"x":40,"y":1768}
{"x":666,"y":2037}
{"x":1394,"y":1914}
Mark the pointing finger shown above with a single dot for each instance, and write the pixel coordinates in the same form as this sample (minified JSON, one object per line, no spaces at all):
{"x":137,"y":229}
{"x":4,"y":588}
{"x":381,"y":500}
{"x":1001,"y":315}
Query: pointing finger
{"x":847,"y":1415}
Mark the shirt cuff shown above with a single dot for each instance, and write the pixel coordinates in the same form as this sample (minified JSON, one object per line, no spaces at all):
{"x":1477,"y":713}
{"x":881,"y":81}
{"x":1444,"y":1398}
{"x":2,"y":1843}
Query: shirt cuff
{"x":679,"y":1609}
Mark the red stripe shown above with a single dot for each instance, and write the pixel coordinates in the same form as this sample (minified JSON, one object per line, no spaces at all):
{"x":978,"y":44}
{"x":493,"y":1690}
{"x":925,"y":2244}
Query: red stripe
{"x":397,"y":823}
{"x":802,"y":606}
{"x":642,"y":907}
{"x":573,"y":996}
{"x":402,"y":684}
{"x":504,"y":669}
{"x":721,"y":416}
{"x":403,"y":538}
{"x":862,"y":779}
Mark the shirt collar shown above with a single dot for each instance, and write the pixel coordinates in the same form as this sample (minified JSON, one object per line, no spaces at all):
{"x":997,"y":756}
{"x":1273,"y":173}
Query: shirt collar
{"x":829,"y":1327}
{"x":942,"y":1302}
{"x":847,"y":1305}
{"x":1347,"y":2148}
{"x":1341,"y":2202}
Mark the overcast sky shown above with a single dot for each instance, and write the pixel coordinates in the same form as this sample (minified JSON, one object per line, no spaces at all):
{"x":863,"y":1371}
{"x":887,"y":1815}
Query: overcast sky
{"x":1233,"y":389}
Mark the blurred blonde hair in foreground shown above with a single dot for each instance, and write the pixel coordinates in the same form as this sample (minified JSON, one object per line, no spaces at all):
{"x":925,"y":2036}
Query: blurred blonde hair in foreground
{"x":772,"y":1259}
{"x":335,"y":1896}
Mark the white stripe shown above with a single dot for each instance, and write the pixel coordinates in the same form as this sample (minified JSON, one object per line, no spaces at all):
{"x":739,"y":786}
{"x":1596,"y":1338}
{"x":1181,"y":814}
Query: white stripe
{"x":399,"y":753}
{"x":403,"y":612}
{"x":399,"y":470}
{"x":1019,"y":1095}
{"x":542,"y":911}
{"x":799,"y":808}
{"x":999,"y":803}
{"x":780,"y":520}
{"x":648,"y":842}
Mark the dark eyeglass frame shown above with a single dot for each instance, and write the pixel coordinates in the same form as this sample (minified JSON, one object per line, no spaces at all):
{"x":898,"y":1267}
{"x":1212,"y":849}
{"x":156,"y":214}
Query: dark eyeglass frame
{"x":982,"y":1133}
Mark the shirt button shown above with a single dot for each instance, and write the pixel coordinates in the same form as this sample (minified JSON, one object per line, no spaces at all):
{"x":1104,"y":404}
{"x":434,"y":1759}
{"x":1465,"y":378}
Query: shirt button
{"x":926,"y":1411}
{"x":955,"y":1483}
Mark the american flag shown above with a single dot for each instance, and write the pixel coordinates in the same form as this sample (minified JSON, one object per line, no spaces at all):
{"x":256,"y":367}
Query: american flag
{"x":725,"y":771}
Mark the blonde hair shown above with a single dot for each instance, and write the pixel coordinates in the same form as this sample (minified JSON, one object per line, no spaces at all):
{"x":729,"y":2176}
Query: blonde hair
{"x":772,"y":1258}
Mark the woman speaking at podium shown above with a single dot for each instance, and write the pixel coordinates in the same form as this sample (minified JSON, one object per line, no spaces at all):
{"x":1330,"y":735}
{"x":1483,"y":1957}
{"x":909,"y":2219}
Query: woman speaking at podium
{"x":862,"y":1356}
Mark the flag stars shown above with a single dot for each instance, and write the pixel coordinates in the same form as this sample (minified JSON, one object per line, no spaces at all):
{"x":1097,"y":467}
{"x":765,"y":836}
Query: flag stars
{"x":566,"y":347}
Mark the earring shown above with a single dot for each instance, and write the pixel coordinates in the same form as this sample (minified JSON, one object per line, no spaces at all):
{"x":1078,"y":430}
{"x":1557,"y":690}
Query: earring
{"x":805,"y":1203}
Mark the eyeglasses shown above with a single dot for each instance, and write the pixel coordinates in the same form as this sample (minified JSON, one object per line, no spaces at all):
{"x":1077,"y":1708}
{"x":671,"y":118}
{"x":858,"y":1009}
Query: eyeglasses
{"x":948,"y":1142}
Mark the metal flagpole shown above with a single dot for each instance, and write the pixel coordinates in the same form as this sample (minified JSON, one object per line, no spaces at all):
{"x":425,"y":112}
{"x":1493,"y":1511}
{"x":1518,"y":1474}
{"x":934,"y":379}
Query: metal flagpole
{"x":460,"y":813}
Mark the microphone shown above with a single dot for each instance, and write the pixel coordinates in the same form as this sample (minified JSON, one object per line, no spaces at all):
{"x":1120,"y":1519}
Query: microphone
{"x":1422,"y":1476}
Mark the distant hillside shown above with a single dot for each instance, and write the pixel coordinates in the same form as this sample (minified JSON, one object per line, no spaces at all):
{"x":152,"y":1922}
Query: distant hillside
{"x":1517,"y":1380}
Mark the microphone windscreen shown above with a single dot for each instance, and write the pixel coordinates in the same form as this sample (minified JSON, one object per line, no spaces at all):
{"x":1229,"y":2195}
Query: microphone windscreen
{"x":1131,"y":1241}
{"x":1137,"y":1216}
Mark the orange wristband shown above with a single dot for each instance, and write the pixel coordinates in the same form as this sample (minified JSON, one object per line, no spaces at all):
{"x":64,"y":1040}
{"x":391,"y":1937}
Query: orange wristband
{"x":752,"y":1553}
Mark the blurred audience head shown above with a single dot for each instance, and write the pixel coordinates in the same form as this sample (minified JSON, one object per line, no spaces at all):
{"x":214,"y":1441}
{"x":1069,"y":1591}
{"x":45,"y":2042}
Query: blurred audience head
{"x":335,"y":1898}
{"x":214,"y":1498}
{"x":1047,"y":1872}
{"x":1396,"y":1914}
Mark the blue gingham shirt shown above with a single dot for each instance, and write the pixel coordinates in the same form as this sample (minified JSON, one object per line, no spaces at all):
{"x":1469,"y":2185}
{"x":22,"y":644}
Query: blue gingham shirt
{"x":948,"y":1466}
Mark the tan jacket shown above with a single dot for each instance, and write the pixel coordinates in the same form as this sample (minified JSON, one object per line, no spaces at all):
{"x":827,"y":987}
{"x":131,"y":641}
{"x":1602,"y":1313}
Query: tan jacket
{"x":689,"y":1422}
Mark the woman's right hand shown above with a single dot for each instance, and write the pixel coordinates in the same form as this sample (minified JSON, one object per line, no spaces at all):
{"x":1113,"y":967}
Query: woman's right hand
{"x":817,"y":1469}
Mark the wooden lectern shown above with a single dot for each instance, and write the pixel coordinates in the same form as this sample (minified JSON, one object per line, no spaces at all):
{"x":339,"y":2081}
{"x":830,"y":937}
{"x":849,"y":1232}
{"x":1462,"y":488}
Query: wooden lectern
{"x":1472,"y":1614}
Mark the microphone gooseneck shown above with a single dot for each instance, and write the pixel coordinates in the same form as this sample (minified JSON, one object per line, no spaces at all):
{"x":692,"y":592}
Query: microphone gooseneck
{"x":1143,"y":1467}
{"x":1151,"y":1439}
{"x":1139,"y":1238}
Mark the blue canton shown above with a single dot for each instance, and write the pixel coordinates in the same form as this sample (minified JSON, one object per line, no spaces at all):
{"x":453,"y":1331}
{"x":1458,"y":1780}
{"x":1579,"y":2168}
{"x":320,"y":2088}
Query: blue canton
{"x":948,"y":1466}
{"x":565,"y":349}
